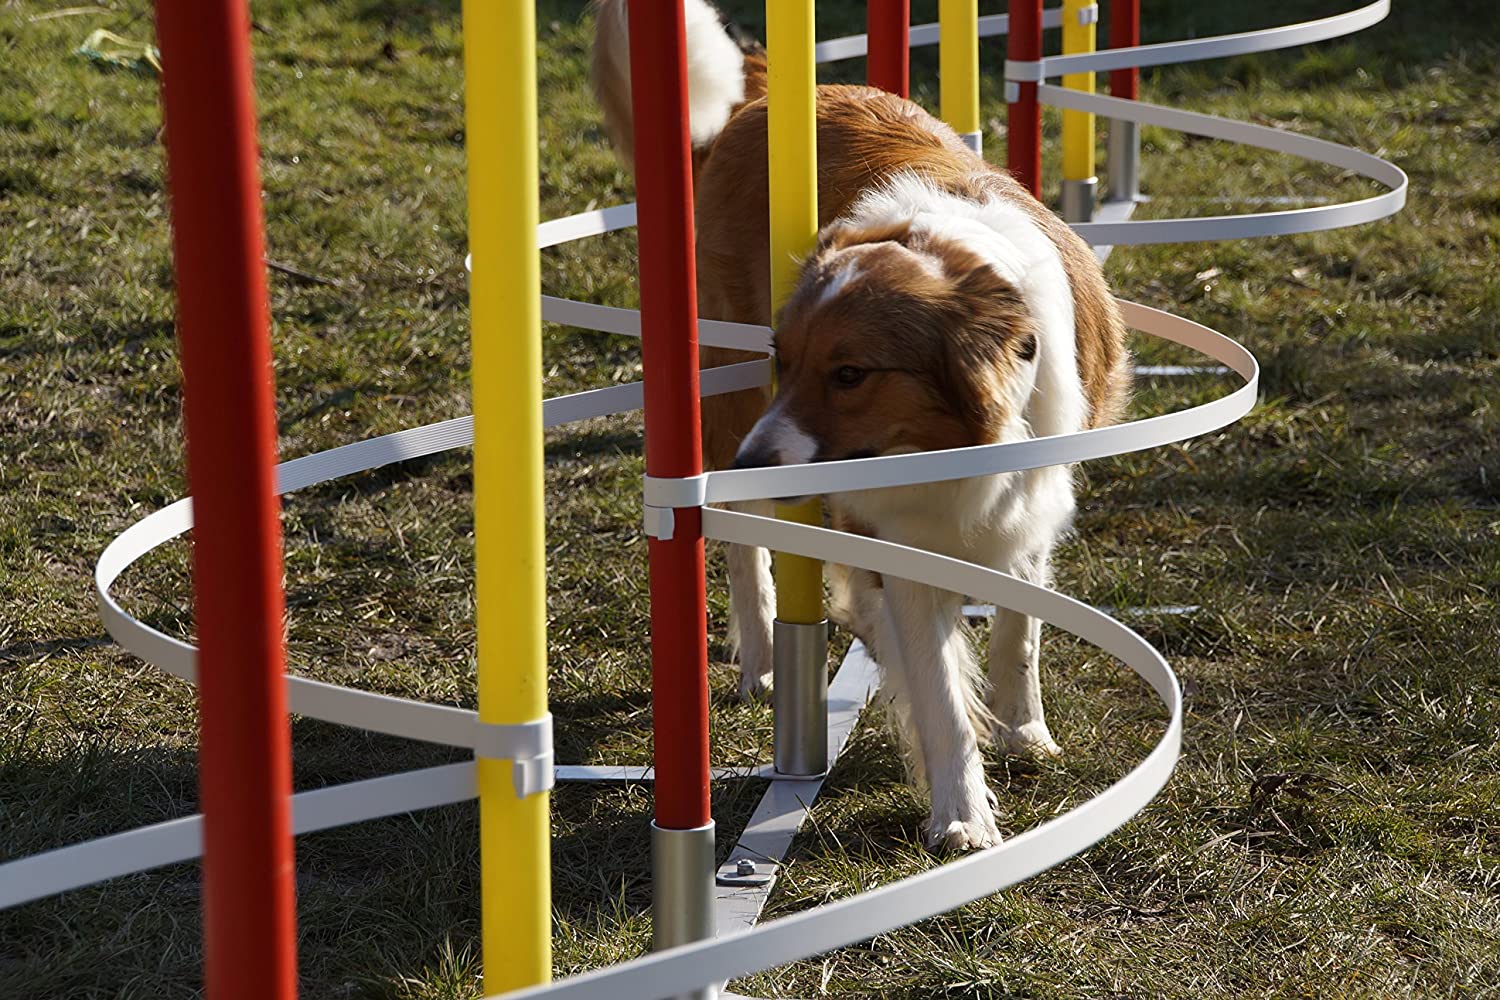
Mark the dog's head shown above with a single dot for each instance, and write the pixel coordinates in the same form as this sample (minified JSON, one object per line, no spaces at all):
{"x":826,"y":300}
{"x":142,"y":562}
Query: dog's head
{"x":894,"y":340}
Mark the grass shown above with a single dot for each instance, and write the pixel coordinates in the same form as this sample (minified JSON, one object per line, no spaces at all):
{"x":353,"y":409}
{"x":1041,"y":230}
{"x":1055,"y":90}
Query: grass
{"x":1331,"y":830}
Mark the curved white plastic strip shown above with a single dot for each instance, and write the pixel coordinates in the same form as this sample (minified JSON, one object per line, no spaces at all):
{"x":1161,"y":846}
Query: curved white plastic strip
{"x":147,"y":847}
{"x":592,"y":223}
{"x":833,"y":925}
{"x":347,"y":706}
{"x":446,"y":724}
{"x":1134,"y":232}
{"x":179,"y":840}
{"x":1191,"y":50}
{"x":921,"y":35}
{"x":961,"y":463}
{"x":456,"y":727}
{"x":560,"y":410}
{"x":931,"y":893}
{"x":627,"y":322}
{"x":1209,"y":228}
{"x":599,"y":221}
{"x":1237,"y":227}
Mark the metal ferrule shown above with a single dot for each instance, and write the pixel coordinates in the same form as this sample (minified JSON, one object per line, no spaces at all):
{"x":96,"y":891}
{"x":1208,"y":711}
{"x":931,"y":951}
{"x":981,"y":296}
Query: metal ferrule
{"x":1078,"y":199}
{"x":1124,"y":163}
{"x":682,"y":892}
{"x":800,"y":670}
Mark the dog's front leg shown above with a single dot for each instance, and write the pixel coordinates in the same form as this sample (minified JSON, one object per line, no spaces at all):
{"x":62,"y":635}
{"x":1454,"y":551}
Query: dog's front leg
{"x":1015,"y":672}
{"x":752,"y":606}
{"x":923,"y":648}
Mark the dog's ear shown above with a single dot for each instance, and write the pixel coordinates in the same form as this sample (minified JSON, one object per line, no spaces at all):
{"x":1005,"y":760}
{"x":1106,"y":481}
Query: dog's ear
{"x":977,"y":281}
{"x":842,"y":235}
{"x":989,"y":337}
{"x":991,"y":311}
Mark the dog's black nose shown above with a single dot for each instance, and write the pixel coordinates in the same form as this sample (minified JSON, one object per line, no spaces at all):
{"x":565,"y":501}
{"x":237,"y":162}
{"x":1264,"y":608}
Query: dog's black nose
{"x":755,"y":458}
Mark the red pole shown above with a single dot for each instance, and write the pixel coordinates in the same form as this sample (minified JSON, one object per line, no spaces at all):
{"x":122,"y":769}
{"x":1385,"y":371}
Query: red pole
{"x":1124,"y":32}
{"x":1023,"y":143}
{"x":888,"y":29}
{"x":669,"y":349}
{"x":223,"y":325}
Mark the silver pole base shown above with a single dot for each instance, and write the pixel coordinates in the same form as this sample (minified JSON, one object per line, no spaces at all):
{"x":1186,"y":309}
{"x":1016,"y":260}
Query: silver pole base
{"x":1078,"y":199}
{"x":974,"y":140}
{"x":799,"y":664}
{"x":682,"y":891}
{"x":1124,"y":166}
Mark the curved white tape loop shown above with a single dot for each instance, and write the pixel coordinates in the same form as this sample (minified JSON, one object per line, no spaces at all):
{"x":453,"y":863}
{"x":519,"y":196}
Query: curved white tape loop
{"x":346,"y":706}
{"x":922,"y":35}
{"x":575,"y":227}
{"x":147,"y":847}
{"x":962,"y":463}
{"x":57,"y":871}
{"x":1236,"y":227}
{"x":1194,"y":49}
{"x":609,"y":319}
{"x":833,"y":925}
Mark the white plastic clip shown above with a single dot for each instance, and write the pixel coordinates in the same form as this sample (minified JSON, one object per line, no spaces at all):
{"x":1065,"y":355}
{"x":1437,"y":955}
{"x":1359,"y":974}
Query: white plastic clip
{"x":684,"y":491}
{"x":1026,"y":70}
{"x":528,"y":745}
{"x":1088,"y":15}
{"x":664,"y":493}
{"x":660,"y":522}
{"x":1012,"y":92}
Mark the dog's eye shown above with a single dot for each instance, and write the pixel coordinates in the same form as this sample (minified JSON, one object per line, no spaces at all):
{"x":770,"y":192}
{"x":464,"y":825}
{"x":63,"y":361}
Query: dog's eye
{"x":848,"y":377}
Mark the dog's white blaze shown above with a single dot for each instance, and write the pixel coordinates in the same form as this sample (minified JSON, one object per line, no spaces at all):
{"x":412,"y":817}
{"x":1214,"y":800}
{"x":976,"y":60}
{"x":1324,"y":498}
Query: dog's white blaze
{"x":780,"y":435}
{"x":1004,"y":236}
{"x":840,"y":280}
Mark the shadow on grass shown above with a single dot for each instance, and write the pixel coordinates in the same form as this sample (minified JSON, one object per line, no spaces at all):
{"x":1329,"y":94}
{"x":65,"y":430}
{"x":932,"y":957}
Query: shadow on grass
{"x":18,"y":654}
{"x":585,"y":724}
{"x":611,"y":439}
{"x":398,"y":887}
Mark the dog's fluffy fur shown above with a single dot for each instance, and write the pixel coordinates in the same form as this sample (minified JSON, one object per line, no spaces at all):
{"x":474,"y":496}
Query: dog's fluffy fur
{"x":942,"y":307}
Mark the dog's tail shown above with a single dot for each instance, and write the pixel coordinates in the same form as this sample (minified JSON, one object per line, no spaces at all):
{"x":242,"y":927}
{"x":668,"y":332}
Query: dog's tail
{"x":721,"y":78}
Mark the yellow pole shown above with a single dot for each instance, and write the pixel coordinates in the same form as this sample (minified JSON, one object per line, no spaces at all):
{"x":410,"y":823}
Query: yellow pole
{"x":793,"y":150}
{"x":958,"y":66}
{"x":1080,"y":19}
{"x":505,"y":313}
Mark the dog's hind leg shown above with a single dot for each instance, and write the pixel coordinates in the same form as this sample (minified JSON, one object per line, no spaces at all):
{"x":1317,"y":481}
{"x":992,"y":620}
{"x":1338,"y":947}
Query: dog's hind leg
{"x":924,"y":652}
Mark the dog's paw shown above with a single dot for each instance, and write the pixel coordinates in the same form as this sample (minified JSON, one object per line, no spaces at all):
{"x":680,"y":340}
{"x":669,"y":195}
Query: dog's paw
{"x":755,"y":668}
{"x":957,"y":835}
{"x":755,"y":687}
{"x":1028,"y":740}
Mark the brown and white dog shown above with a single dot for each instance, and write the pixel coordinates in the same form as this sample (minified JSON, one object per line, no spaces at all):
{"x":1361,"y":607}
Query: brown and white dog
{"x":942,"y":307}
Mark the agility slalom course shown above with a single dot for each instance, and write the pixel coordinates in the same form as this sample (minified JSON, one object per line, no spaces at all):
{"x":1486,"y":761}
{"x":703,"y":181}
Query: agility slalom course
{"x":245,"y":833}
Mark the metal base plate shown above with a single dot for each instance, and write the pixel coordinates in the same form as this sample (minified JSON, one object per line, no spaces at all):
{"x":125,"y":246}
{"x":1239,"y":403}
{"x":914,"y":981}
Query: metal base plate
{"x":740,"y":890}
